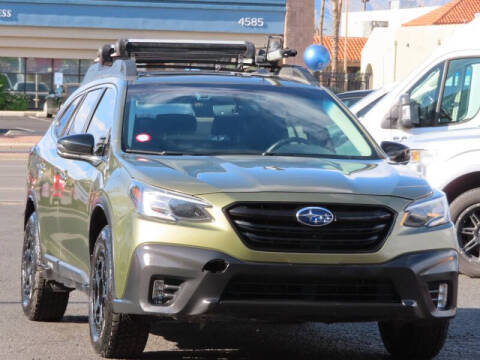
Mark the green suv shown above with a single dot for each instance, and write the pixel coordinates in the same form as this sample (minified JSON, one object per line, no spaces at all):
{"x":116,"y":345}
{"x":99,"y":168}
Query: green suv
{"x":206,"y":181}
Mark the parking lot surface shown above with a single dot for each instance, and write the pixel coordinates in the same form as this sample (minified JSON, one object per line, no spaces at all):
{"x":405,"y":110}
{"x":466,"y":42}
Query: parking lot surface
{"x":69,"y":339}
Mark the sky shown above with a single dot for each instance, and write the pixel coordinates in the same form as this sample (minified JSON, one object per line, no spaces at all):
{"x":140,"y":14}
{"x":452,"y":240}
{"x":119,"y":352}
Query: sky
{"x":357,"y":5}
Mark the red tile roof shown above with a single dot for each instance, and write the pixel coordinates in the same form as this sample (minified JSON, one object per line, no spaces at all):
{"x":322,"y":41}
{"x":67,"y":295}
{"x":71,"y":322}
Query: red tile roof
{"x":455,"y":12}
{"x":354,"y":46}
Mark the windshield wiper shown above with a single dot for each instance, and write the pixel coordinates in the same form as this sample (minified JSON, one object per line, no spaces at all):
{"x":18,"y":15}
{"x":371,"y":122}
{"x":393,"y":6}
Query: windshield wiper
{"x":268,"y":153}
{"x":271,"y":153}
{"x":148,"y":152}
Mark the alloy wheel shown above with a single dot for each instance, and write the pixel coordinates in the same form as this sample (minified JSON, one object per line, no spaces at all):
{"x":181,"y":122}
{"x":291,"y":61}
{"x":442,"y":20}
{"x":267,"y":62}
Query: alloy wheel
{"x":28,"y":264}
{"x":99,"y":293}
{"x":468,"y":231}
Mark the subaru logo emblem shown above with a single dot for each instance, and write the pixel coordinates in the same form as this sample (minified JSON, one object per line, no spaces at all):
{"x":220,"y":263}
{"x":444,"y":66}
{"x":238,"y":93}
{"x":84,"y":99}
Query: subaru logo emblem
{"x":314,"y":216}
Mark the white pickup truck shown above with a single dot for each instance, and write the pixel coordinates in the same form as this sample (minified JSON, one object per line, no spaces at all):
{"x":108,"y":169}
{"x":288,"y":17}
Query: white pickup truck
{"x":436,"y":111}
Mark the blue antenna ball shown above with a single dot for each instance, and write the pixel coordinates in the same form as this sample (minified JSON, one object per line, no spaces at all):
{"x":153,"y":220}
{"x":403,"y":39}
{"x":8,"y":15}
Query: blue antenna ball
{"x":316,"y":57}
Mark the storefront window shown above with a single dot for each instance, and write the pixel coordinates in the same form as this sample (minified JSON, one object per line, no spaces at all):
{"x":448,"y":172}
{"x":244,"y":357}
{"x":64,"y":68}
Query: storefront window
{"x":34,"y":77}
{"x":12,"y":65}
{"x":66,"y":66}
{"x":84,"y":65}
{"x":41,"y":82}
{"x":37,"y":65}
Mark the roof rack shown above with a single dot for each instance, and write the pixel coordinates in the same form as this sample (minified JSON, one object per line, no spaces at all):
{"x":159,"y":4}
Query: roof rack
{"x":157,"y":51}
{"x":146,"y":54}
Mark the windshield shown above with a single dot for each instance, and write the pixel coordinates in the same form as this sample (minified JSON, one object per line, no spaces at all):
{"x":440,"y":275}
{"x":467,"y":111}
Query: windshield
{"x":362,"y":112}
{"x":222,"y":120}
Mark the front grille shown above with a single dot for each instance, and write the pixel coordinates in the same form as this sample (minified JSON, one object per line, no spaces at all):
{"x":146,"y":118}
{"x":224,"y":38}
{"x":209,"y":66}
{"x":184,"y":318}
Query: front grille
{"x":320,"y":290}
{"x":274,"y":227}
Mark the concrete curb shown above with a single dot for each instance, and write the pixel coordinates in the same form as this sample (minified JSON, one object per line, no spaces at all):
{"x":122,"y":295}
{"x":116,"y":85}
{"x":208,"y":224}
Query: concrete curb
{"x":21,"y":113}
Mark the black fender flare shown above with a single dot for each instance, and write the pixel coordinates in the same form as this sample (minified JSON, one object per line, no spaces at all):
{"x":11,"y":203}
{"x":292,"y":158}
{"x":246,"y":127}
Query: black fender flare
{"x":102,"y":203}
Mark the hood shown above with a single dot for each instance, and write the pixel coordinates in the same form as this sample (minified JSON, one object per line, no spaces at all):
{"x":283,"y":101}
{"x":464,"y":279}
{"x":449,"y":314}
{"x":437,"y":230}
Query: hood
{"x":196,"y":175}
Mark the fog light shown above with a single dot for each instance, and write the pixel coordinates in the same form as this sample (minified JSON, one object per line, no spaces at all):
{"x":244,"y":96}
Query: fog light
{"x":158,"y":292}
{"x":439,"y":293}
{"x":164,"y":291}
{"x":442,"y":296}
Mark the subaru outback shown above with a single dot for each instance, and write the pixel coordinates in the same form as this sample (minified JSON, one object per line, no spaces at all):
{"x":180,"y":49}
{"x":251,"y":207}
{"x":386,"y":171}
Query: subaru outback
{"x":204,"y":181}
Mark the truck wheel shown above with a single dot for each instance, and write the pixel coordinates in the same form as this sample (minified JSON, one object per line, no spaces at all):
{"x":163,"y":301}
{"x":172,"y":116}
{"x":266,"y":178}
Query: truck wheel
{"x":112,"y":335}
{"x":40,"y":302}
{"x":418,"y":340}
{"x":465,"y":211}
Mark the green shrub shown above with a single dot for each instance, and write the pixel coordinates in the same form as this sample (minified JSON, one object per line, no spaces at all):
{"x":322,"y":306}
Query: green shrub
{"x":9,"y":101}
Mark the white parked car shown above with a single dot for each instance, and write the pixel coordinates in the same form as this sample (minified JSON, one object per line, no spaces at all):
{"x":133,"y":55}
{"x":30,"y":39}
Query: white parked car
{"x":436,"y":111}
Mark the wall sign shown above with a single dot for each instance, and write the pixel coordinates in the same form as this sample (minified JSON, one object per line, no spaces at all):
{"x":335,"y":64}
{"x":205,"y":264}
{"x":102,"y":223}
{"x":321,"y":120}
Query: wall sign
{"x":234,"y":16}
{"x":6,"y":13}
{"x":58,"y":79}
{"x":252,"y":22}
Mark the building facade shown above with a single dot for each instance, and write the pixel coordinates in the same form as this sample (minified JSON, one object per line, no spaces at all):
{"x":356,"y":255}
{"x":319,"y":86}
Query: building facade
{"x":393,"y":52}
{"x":41,"y":39}
{"x":362,"y":23}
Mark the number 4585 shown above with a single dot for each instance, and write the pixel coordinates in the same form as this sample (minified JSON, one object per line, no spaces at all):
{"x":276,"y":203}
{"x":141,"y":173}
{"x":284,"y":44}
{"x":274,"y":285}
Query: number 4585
{"x":251,"y":22}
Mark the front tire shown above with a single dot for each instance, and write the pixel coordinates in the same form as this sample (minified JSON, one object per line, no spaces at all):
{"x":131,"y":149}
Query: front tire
{"x":465,"y":211}
{"x":418,"y":340}
{"x":40,"y":302}
{"x":112,"y":335}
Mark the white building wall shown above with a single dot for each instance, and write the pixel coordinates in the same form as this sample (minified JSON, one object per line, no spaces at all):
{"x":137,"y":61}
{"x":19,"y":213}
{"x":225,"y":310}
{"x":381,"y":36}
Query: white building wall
{"x":359,"y":21}
{"x":393,"y":54}
{"x":415,"y":44}
{"x":379,"y":60}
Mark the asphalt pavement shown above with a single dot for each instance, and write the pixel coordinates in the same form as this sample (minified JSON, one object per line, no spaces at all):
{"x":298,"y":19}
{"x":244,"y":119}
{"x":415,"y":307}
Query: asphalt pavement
{"x":69,"y":339}
{"x":28,"y":125}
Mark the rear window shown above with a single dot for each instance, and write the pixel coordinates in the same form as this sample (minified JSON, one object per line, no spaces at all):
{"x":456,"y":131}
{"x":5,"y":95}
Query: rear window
{"x":212,"y":120}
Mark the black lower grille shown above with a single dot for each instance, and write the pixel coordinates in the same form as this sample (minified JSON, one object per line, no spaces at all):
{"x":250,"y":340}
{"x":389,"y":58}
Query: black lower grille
{"x":274,"y":227}
{"x":321,"y":290}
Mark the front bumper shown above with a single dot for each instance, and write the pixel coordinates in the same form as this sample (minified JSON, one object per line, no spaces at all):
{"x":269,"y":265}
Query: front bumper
{"x":202,"y":292}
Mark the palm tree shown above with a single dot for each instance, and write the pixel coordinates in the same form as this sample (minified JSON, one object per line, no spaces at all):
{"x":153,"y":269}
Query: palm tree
{"x":336,"y":13}
{"x":322,"y":17}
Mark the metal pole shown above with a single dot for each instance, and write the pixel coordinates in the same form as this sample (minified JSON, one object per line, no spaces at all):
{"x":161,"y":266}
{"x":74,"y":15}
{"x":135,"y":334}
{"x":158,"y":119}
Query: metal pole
{"x":36,"y":99}
{"x":395,"y":46}
{"x":345,"y":48}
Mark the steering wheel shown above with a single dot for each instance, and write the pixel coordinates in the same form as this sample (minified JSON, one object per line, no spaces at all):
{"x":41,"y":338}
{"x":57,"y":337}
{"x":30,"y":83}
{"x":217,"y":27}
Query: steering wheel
{"x":282,"y":142}
{"x":443,"y":113}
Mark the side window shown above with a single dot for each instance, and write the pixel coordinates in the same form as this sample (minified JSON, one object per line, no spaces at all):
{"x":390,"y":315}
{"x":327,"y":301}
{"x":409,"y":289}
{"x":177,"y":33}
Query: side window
{"x":61,"y":122}
{"x":84,"y":112}
{"x":102,"y":119}
{"x":461,"y":95}
{"x":424,"y":96}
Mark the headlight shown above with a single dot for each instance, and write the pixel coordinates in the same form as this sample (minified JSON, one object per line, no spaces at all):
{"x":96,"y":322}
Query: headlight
{"x":420,"y":159}
{"x":167,"y":205}
{"x":430,"y":212}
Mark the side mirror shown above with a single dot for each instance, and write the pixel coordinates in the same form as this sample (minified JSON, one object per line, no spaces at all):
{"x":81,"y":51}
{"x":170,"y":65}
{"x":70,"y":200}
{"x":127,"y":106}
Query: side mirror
{"x":397,"y":153}
{"x":407,"y":112}
{"x":404,"y":114}
{"x":78,"y":147}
